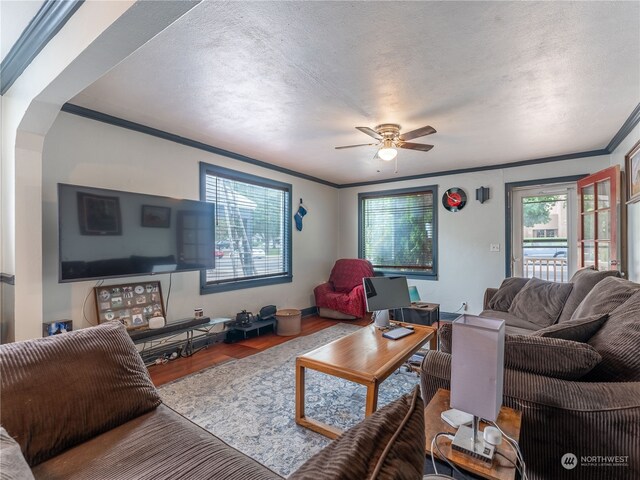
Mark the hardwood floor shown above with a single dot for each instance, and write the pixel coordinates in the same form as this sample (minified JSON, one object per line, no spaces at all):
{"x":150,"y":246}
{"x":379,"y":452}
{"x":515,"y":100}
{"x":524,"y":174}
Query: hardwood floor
{"x":223,"y":352}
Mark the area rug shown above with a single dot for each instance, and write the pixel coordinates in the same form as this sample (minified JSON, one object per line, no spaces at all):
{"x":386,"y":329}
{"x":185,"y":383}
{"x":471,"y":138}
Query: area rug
{"x":250,"y":403}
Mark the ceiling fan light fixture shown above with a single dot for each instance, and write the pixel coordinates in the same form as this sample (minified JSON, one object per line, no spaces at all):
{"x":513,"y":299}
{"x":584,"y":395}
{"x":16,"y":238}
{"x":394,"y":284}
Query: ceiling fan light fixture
{"x":388,"y":151}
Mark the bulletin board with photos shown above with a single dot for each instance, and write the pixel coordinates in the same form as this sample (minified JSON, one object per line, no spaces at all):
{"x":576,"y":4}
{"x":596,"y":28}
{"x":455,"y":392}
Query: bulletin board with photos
{"x":132,"y":304}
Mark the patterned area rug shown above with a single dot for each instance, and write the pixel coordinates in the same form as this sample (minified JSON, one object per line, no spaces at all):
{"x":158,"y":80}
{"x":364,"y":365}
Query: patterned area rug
{"x":250,"y":403}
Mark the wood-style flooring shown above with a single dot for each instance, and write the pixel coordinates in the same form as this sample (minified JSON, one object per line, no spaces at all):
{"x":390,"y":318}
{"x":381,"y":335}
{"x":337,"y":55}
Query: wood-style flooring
{"x":223,"y":352}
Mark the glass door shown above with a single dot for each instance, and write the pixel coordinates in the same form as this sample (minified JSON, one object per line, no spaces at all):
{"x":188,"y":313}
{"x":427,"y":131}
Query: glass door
{"x":599,"y":205}
{"x":544,"y":232}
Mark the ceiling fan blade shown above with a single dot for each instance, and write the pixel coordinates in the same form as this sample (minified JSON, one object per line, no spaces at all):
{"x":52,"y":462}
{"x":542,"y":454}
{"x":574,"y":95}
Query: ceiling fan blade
{"x":360,"y":145}
{"x":416,"y":146}
{"x":371,"y":132}
{"x":419,"y":132}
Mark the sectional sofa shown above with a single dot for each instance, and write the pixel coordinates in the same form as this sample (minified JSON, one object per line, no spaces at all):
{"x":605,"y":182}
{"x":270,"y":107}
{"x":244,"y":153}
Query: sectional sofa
{"x":81,"y":406}
{"x":576,"y":381}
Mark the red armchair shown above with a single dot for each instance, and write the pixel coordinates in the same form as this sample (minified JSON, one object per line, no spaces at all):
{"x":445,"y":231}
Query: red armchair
{"x":343,"y":295}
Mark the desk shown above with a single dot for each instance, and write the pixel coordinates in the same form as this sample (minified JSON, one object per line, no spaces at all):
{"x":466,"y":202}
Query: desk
{"x":509,"y":421}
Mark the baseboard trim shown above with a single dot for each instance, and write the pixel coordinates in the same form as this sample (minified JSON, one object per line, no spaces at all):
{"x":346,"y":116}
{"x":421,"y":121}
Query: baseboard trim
{"x":307,"y":312}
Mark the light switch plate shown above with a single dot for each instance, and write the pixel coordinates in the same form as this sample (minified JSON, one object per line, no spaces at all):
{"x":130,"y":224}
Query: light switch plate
{"x":494,"y":247}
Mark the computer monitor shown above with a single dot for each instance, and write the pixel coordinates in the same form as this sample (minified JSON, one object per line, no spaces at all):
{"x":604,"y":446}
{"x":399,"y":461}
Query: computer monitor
{"x":384,"y":293}
{"x":414,"y":295}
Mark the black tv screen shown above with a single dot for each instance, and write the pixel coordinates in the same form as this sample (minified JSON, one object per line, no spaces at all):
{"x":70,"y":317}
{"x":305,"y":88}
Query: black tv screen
{"x":109,"y":233}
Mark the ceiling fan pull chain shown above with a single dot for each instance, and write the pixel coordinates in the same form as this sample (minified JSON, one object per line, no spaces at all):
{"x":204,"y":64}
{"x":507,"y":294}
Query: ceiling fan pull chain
{"x":396,"y":171}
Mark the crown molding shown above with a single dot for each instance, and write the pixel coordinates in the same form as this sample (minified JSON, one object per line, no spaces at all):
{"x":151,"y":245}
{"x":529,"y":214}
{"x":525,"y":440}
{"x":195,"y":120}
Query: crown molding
{"x":154,"y":132}
{"x":629,"y":124}
{"x":523,"y":163}
{"x":51,"y":17}
{"x":625,"y":130}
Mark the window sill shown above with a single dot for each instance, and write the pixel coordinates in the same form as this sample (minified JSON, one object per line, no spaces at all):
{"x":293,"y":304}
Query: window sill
{"x":416,"y":275}
{"x":242,"y":284}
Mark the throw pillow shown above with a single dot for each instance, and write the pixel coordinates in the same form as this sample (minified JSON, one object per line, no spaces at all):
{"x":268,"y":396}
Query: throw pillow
{"x":578,"y":330}
{"x":13,"y":466}
{"x":503,"y":298}
{"x":551,"y":357}
{"x":583,"y":282}
{"x":547,"y":356}
{"x":540,"y":302}
{"x":605,"y":297}
{"x":387,"y":445}
{"x":72,"y":387}
{"x":617,"y":341}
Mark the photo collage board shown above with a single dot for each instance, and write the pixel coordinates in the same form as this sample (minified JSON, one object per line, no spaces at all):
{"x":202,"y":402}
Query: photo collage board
{"x":132,"y":304}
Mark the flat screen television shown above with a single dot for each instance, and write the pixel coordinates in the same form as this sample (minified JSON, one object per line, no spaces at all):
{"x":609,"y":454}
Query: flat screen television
{"x":108,"y":233}
{"x":384,"y":293}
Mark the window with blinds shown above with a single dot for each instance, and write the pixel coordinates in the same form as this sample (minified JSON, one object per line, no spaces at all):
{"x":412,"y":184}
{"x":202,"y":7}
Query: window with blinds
{"x":253,"y":229}
{"x":398,"y":230}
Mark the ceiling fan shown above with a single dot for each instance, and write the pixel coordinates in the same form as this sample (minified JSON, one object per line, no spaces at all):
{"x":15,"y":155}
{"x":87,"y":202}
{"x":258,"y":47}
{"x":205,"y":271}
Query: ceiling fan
{"x":390,"y":139}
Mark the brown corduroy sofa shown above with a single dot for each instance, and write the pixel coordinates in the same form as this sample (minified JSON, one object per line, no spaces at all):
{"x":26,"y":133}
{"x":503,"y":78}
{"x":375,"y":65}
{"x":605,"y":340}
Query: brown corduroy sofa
{"x":595,"y":417}
{"x":81,"y":406}
{"x":499,"y":302}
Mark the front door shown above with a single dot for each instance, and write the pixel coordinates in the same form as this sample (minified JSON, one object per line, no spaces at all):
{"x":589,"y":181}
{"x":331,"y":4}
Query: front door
{"x":544,"y":232}
{"x":599,"y":210}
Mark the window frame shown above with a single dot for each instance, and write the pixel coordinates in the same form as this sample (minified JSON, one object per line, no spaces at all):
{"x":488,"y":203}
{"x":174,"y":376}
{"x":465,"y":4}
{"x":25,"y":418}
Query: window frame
{"x":424,"y":275}
{"x":207,"y":168}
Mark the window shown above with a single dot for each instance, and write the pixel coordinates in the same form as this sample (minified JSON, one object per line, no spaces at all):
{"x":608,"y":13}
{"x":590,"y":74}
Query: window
{"x":253,"y":229}
{"x":398,"y":231}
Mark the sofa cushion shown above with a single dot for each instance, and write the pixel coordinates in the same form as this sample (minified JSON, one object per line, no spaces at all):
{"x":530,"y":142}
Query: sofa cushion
{"x":550,"y":357}
{"x":618,"y":341}
{"x":606,"y":296}
{"x":508,"y":290}
{"x":540,"y":302}
{"x":509,"y":330}
{"x":387,"y":445}
{"x":578,"y":330}
{"x":61,"y":390}
{"x":13,"y":466}
{"x":347,"y":273}
{"x":510,"y":320}
{"x":583,"y":281}
{"x":159,"y":445}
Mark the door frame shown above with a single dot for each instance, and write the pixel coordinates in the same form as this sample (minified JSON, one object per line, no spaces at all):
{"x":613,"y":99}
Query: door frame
{"x":508,"y":195}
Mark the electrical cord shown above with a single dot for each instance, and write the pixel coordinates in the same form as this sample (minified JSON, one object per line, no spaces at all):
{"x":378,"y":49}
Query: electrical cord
{"x":511,"y":462}
{"x":516,"y":449}
{"x":84,"y":313}
{"x":166,"y":310}
{"x":434,"y":446}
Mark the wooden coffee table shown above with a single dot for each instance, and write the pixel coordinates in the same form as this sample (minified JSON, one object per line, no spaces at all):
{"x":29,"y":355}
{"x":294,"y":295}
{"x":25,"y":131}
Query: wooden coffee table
{"x":364,"y":357}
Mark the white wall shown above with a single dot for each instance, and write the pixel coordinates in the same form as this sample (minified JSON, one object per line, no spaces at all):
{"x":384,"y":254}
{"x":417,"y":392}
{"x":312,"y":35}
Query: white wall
{"x":85,"y":152}
{"x":465,"y":265}
{"x":633,"y":210}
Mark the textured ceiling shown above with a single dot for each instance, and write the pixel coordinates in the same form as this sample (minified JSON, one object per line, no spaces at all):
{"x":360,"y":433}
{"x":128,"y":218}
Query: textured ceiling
{"x":285,"y":82}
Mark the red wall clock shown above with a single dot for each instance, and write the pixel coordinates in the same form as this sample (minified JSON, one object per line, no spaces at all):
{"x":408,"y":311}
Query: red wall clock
{"x":454,"y":199}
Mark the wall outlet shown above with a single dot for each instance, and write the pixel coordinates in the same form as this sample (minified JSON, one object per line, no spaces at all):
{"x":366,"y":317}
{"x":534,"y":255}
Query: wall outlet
{"x":494,"y":247}
{"x":463,"y":306}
